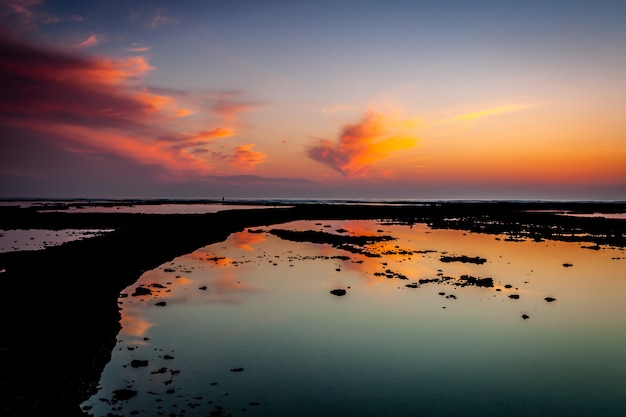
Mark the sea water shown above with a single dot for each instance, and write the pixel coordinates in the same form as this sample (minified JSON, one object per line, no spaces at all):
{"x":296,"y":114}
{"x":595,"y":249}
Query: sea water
{"x":249,"y":327}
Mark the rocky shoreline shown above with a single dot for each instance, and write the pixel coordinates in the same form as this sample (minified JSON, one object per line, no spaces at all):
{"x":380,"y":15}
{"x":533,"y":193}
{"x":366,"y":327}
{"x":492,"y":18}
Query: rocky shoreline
{"x":59,"y":305}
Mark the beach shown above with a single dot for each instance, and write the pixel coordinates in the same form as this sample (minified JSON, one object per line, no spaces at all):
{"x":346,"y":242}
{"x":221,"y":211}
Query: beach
{"x":61,"y":303}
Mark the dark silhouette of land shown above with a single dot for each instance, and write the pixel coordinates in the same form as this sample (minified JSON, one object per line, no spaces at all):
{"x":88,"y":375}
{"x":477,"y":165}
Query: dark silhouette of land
{"x":59,"y":310}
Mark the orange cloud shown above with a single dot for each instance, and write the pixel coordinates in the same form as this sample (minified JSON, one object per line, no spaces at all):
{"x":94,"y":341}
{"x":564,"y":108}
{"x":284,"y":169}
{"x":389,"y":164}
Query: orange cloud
{"x":363,"y":144}
{"x":86,"y":140}
{"x":244,"y":157}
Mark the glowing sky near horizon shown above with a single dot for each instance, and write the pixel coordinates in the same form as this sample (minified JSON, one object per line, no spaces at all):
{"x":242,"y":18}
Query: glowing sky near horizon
{"x":343,"y":99}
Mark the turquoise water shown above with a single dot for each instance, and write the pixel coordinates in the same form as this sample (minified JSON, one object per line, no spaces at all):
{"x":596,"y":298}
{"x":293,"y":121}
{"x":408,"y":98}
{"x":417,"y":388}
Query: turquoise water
{"x":384,"y":349}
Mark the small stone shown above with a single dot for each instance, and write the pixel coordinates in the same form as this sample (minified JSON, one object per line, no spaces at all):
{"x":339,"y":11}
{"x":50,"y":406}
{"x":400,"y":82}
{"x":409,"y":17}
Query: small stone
{"x":525,"y":316}
{"x":161,"y":304}
{"x":514,"y":296}
{"x":236,"y":370}
{"x":136,"y":363}
{"x":338,"y":292}
{"x":550,"y":299}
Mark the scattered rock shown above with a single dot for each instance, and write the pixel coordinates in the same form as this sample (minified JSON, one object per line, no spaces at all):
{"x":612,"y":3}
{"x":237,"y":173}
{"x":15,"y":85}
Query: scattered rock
{"x":338,"y":292}
{"x":525,"y":316}
{"x":203,"y":288}
{"x":161,"y":304}
{"x":168,"y":357}
{"x":567,"y":265}
{"x":237,"y":370}
{"x":550,"y":299}
{"x":514,"y":296}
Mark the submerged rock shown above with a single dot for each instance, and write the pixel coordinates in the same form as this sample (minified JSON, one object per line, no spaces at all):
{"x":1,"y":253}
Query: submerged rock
{"x":124,"y":394}
{"x":466,"y":259}
{"x":338,"y":292}
{"x":136,"y":363}
{"x":141,"y":291}
{"x":479,"y":282}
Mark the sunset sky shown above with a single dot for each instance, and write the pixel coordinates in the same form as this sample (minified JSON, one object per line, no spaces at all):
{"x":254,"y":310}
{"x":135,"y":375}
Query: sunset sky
{"x":403,"y":99}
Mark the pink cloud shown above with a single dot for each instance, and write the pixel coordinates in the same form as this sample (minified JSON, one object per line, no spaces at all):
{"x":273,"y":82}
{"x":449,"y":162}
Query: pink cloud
{"x":97,"y":105}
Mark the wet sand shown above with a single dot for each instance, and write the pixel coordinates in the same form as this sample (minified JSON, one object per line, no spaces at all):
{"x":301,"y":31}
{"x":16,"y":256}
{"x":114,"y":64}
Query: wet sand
{"x":54,"y":350}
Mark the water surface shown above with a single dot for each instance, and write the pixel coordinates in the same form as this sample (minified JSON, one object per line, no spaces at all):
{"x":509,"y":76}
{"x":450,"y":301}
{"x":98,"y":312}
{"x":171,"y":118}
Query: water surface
{"x":249,"y":327}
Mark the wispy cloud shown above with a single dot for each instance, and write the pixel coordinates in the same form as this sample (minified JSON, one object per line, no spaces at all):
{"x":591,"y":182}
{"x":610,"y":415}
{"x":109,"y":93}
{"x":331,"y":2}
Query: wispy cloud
{"x":89,"y":42}
{"x":29,"y":14}
{"x":138,"y":47}
{"x":161,"y":17}
{"x":150,"y":17}
{"x":492,"y":111}
{"x":363,"y":144}
{"x":229,"y":105}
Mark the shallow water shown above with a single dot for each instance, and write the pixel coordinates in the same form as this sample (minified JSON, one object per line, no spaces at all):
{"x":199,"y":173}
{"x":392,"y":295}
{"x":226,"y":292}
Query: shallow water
{"x":263,"y":304}
{"x":37,"y":239}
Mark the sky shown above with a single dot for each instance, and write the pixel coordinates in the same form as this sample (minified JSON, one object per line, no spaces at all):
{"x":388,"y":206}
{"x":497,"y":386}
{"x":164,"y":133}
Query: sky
{"x":401,"y":99}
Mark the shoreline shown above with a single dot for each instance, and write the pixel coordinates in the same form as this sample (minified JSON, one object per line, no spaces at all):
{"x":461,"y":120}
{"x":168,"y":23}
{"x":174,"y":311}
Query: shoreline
{"x":52,"y":363}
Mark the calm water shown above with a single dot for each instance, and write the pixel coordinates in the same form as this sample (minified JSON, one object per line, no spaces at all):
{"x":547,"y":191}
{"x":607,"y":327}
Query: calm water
{"x":384,"y":349}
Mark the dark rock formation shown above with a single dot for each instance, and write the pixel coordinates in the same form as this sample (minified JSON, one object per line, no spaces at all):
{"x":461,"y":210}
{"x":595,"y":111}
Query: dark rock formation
{"x":338,"y":292}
